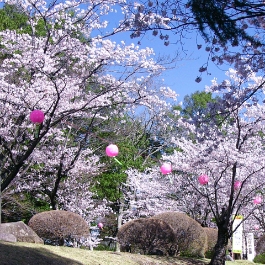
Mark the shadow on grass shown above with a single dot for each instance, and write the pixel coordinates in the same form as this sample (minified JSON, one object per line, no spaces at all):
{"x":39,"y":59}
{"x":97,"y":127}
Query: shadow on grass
{"x":20,"y":255}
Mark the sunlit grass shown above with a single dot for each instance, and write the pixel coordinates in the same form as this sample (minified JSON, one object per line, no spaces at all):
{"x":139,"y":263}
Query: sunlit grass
{"x":31,"y":254}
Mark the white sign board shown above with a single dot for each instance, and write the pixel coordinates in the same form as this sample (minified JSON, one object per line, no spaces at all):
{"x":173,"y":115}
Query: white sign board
{"x":250,"y":246}
{"x":237,"y":240}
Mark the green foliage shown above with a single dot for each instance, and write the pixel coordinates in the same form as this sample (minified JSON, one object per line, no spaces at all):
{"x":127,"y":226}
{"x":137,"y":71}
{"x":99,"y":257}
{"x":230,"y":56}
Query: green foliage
{"x":104,"y":248}
{"x":213,"y":14}
{"x":14,"y":19}
{"x":209,"y":254}
{"x":39,"y":205}
{"x":189,"y":254}
{"x":260,"y":258}
{"x":134,"y":148}
{"x":106,"y":185}
{"x":202,"y":105}
{"x":196,"y":103}
{"x":21,"y":207}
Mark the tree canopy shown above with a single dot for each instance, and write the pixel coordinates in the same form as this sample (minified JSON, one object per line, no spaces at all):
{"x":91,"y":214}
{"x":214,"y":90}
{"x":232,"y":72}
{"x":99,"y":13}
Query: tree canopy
{"x":196,"y":103}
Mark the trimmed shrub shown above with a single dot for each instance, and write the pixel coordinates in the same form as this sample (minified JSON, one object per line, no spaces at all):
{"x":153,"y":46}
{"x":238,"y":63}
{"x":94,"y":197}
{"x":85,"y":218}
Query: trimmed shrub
{"x":260,"y":258}
{"x":212,"y":235}
{"x":147,"y":236}
{"x":57,"y":227}
{"x":191,"y":239}
{"x":260,"y":246}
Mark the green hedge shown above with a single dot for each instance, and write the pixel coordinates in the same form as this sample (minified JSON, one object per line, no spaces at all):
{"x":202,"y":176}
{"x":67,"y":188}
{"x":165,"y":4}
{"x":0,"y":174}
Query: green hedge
{"x":260,"y":258}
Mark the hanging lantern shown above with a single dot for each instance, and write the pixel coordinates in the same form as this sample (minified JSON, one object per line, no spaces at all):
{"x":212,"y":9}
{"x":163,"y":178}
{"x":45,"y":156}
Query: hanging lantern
{"x":166,"y":168}
{"x":112,"y":150}
{"x":237,"y":185}
{"x":100,"y":225}
{"x":36,"y":116}
{"x":257,"y":200}
{"x":203,"y":179}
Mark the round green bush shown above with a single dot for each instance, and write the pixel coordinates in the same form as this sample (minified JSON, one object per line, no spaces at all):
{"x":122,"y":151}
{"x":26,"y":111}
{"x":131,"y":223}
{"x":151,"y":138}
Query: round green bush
{"x":260,"y":258}
{"x":55,"y":227}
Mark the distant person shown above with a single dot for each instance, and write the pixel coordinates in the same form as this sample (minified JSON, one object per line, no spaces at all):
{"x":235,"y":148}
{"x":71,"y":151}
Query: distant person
{"x":229,"y":255}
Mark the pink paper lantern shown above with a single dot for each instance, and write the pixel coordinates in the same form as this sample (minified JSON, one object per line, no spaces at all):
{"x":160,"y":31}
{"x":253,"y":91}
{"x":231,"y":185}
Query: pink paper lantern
{"x":166,"y":168}
{"x":36,"y":116}
{"x":203,"y":179}
{"x":100,"y":225}
{"x":257,"y":200}
{"x":112,"y":150}
{"x":237,"y":185}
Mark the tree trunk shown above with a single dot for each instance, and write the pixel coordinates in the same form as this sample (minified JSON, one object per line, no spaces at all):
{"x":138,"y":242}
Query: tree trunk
{"x":0,"y":200}
{"x":119,"y":223}
{"x":219,"y":255}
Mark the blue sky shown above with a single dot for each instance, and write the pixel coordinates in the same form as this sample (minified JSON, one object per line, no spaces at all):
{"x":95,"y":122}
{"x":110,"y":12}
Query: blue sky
{"x":182,"y":77}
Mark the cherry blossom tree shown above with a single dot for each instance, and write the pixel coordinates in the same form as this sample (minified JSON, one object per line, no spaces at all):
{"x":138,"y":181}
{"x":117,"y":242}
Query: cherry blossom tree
{"x":133,"y":136}
{"x":148,"y":193}
{"x":65,"y":78}
{"x":223,"y":162}
{"x":142,"y":194}
{"x":72,"y":73}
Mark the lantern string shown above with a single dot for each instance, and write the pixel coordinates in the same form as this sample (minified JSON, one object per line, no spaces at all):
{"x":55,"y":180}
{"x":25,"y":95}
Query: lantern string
{"x":117,"y":161}
{"x":37,"y":131}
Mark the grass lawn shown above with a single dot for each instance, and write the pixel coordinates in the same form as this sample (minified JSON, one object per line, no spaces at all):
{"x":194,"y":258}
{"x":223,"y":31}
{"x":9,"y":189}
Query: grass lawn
{"x":36,"y":254}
